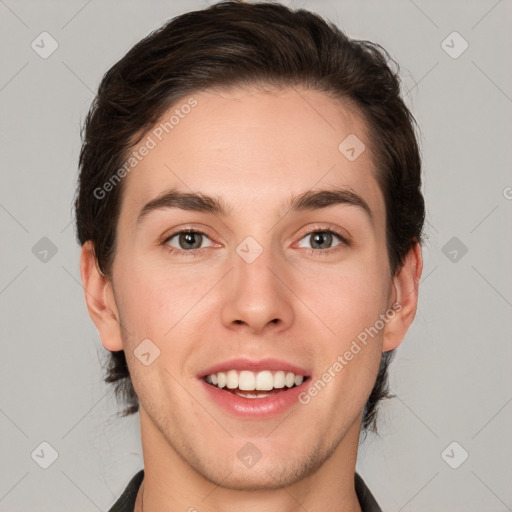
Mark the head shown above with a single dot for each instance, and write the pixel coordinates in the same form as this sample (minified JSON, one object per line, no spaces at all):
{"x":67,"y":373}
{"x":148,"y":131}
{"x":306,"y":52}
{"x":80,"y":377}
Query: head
{"x":251,"y":105}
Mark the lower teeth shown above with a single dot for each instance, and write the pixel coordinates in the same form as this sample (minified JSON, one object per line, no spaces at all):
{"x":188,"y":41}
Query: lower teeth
{"x":249,"y":395}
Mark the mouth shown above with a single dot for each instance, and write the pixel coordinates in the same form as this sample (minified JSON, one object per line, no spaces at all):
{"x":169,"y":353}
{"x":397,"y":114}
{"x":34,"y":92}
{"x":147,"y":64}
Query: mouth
{"x":255,"y":385}
{"x":254,"y":389}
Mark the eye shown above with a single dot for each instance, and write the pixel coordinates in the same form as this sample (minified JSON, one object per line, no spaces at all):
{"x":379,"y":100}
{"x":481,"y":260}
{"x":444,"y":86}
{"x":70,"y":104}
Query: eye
{"x":321,"y":240}
{"x":190,"y":242}
{"x":186,"y":240}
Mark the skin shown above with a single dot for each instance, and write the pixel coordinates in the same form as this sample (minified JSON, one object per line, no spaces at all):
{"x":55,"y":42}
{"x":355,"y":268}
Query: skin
{"x":254,"y":149}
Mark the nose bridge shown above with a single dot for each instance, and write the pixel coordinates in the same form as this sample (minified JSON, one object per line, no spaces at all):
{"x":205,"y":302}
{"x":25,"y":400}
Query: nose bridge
{"x":253,"y":262}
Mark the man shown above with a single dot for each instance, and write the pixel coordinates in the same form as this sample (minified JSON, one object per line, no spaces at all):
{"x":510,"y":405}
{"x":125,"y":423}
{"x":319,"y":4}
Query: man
{"x":250,"y":212}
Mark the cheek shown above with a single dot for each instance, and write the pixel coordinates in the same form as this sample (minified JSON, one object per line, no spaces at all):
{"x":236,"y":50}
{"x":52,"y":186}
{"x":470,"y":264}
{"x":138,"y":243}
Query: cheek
{"x":157,"y":305}
{"x":348,"y":298}
{"x":351,"y":303}
{"x":157,"y":301}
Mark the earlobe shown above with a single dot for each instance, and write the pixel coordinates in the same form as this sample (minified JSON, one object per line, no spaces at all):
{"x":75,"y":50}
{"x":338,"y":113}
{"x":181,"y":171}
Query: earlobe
{"x":100,"y":300}
{"x":405,"y":283}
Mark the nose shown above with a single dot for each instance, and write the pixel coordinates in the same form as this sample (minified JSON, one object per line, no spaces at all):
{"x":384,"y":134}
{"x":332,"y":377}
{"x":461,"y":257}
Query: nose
{"x":257,"y":295}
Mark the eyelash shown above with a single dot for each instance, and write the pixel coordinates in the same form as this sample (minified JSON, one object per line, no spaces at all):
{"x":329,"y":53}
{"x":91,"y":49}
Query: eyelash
{"x":344,"y":242}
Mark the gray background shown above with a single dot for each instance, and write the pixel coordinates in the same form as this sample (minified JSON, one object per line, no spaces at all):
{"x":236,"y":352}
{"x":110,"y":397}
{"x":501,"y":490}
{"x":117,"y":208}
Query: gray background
{"x":451,"y":375}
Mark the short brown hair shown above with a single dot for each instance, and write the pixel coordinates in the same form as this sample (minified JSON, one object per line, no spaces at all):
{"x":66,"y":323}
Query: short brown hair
{"x":234,"y":43}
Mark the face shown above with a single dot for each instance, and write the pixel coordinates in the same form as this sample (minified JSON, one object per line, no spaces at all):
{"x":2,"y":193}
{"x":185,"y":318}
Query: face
{"x":270,"y":287}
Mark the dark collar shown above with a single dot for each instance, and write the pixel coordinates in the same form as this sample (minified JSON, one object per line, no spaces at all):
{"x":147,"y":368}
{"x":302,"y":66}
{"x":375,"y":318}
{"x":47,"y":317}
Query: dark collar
{"x":366,"y":500}
{"x":126,"y":501}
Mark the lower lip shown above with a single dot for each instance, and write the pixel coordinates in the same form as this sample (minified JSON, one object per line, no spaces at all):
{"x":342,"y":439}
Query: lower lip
{"x":267,"y":407}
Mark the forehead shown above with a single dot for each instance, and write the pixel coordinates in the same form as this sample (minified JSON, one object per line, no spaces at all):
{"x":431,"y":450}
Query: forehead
{"x":253,"y":148}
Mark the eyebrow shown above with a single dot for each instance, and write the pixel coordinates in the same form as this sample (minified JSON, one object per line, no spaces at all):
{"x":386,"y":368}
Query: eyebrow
{"x":307,"y":201}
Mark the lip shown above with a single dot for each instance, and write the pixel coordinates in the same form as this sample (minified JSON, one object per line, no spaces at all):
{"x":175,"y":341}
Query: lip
{"x":267,"y":407}
{"x":240,"y":364}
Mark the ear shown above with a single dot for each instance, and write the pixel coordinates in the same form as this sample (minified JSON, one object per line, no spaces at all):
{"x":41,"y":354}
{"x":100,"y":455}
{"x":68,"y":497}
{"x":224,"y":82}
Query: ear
{"x":100,"y":300}
{"x":405,"y":283}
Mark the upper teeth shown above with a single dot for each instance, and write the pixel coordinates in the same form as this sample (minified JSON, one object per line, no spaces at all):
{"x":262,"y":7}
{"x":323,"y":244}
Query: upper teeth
{"x":249,"y":381}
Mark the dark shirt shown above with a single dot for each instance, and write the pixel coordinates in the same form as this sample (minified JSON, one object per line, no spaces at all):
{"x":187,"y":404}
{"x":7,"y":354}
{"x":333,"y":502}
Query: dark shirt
{"x":126,"y":501}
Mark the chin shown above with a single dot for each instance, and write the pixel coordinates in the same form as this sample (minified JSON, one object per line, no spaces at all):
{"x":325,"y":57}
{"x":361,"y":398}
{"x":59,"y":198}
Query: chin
{"x":254,"y":480}
{"x":270,"y":474}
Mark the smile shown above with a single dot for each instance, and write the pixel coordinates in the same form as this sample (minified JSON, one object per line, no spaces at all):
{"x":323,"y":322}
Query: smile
{"x":250,"y":384}
{"x":254,"y":389}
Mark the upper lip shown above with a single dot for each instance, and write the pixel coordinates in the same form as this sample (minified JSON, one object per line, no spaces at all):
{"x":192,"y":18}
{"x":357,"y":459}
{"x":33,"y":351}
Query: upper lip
{"x":254,"y":366}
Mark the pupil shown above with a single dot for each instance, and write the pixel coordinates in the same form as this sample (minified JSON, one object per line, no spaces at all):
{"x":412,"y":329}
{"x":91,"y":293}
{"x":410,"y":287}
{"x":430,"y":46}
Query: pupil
{"x":188,"y":238}
{"x":325,"y":237}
